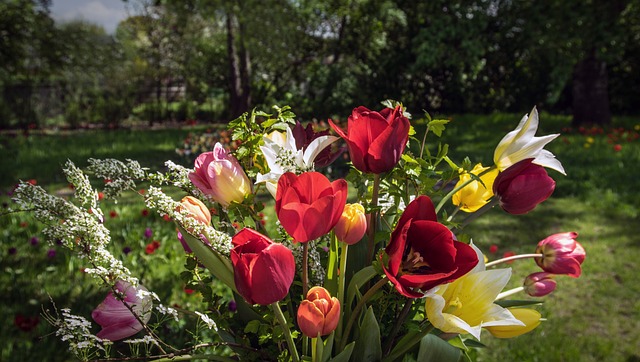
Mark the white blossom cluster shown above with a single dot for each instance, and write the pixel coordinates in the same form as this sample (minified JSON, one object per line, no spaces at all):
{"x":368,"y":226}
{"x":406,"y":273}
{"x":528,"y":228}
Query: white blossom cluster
{"x":75,"y":330}
{"x":156,"y":199}
{"x":168,"y":311}
{"x":144,"y":340}
{"x":317,"y":272}
{"x":120,"y":176}
{"x":208,"y":321}
{"x":178,"y":176}
{"x":78,"y":229}
{"x":87,"y":196}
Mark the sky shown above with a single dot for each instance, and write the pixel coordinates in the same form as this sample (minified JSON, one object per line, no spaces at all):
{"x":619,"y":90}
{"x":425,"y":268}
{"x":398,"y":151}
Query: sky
{"x":107,"y":13}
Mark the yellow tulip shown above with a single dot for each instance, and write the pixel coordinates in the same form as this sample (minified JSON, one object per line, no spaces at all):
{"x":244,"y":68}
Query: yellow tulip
{"x":530,"y":317}
{"x":475,"y":195}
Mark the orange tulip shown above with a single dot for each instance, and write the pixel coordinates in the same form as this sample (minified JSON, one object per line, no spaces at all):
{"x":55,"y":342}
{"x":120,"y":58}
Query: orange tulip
{"x":196,"y":209}
{"x":319,"y":313}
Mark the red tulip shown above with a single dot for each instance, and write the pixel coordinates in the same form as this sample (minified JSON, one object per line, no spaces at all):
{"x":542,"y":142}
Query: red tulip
{"x":116,"y":319}
{"x":309,"y":206}
{"x":562,"y":254}
{"x":423,"y":253}
{"x":376,"y":140}
{"x":319,"y":313}
{"x":522,"y":187}
{"x":263,"y":269}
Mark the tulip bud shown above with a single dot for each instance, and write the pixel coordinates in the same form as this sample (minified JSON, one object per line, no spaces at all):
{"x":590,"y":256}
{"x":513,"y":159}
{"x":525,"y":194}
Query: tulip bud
{"x":319,"y":313}
{"x":522,"y":187}
{"x":539,"y":284}
{"x":116,"y":319}
{"x":474,"y":195}
{"x":530,"y":317}
{"x":352,"y":224}
{"x":219,"y":175}
{"x":562,"y":254}
{"x":196,"y":209}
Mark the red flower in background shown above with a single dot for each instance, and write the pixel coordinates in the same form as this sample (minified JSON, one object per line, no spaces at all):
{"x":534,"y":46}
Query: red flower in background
{"x":263,"y":270}
{"x":375,"y":140}
{"x":423,"y":253}
{"x":522,"y":187}
{"x":26,"y":323}
{"x":309,"y":206}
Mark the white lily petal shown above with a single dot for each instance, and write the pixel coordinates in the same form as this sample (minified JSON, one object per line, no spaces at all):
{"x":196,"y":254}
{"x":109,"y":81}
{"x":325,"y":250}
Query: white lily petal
{"x":549,"y":160}
{"x":499,"y":316}
{"x":480,"y":266}
{"x":523,"y":151}
{"x":316,"y":146}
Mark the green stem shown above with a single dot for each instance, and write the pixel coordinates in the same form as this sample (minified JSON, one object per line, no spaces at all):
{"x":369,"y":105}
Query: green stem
{"x":481,"y":211}
{"x":374,"y":216}
{"x":341,"y":281}
{"x":305,"y":268}
{"x":286,"y":331}
{"x":358,"y":308}
{"x":456,"y":189}
{"x":396,"y":326}
{"x":314,"y":350}
{"x":511,"y":258}
{"x":509,"y":292}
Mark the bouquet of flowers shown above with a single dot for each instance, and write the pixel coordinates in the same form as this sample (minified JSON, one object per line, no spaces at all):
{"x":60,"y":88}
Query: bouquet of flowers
{"x":375,"y":266}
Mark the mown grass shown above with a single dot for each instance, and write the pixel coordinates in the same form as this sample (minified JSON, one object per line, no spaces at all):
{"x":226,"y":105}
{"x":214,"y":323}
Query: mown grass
{"x":592,"y":318}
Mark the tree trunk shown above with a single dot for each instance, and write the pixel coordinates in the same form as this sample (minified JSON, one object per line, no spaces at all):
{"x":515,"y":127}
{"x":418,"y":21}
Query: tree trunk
{"x":239,"y":69}
{"x":590,"y":90}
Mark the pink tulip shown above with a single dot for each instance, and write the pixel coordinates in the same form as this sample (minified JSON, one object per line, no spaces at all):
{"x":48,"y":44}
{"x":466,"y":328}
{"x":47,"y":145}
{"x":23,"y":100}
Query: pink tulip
{"x":562,"y":254}
{"x":539,"y":284}
{"x":522,"y":187}
{"x":309,"y":206}
{"x":263,"y":270}
{"x":219,"y":175}
{"x":116,"y":319}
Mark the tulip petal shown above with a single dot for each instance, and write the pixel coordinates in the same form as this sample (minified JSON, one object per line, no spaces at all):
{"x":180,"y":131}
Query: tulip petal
{"x":120,"y":330}
{"x":332,"y":318}
{"x":310,"y":319}
{"x":273,"y":271}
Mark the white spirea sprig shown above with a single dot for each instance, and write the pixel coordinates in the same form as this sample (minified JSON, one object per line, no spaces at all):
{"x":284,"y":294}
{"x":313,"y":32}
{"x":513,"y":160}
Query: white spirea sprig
{"x":156,"y":199}
{"x":78,"y":229}
{"x":120,"y":176}
{"x":87,"y":196}
{"x":168,"y":311}
{"x":75,"y":330}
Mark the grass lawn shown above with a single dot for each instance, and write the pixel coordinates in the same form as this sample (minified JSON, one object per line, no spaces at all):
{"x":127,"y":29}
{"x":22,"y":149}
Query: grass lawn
{"x":593,"y":318}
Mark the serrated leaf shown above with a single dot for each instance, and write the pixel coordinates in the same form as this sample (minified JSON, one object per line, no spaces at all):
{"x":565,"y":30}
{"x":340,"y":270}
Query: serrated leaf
{"x":252,"y":327}
{"x":437,"y":126}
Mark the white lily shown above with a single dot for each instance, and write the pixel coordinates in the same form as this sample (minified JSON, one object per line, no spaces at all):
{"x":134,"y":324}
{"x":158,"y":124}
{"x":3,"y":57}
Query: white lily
{"x":521,"y":144}
{"x":282,"y":156}
{"x":466,"y":305}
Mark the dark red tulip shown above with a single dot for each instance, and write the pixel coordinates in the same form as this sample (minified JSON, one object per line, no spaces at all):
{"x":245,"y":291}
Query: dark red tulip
{"x":309,"y":206}
{"x":423,"y":253}
{"x":263,"y":270}
{"x":522,"y":187}
{"x":376,"y":140}
{"x":304,"y":137}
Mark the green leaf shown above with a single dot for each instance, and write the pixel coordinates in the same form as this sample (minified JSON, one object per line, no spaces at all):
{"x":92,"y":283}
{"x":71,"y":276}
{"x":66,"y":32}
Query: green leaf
{"x":358,"y":280}
{"x":517,"y":303}
{"x":368,"y":347}
{"x":437,"y":126}
{"x":345,"y":355}
{"x":219,"y":265}
{"x":433,"y":348}
{"x":327,"y":348}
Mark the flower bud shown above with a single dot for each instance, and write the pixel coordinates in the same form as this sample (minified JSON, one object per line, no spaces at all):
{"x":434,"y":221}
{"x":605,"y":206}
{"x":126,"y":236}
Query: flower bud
{"x":539,"y":284}
{"x":196,"y":209}
{"x":522,"y":187}
{"x":352,"y":224}
{"x":116,"y":319}
{"x":530,"y":317}
{"x":319,"y":313}
{"x":219,"y":175}
{"x":561,"y":254}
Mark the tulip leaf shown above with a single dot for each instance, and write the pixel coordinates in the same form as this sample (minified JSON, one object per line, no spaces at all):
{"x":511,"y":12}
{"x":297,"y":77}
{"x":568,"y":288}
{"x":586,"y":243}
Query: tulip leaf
{"x":433,"y":348}
{"x":358,"y":280}
{"x":345,"y":355}
{"x":368,"y":347}
{"x":327,"y":348}
{"x":219,"y":265}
